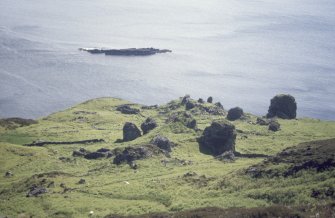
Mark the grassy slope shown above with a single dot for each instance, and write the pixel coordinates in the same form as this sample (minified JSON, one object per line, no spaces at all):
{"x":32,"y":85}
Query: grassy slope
{"x":153,"y":187}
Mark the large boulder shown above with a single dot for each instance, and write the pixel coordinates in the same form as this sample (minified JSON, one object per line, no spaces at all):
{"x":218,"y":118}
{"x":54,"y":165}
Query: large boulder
{"x":35,"y":191}
{"x":148,"y":125}
{"x":163,"y":143}
{"x":218,"y":138}
{"x":185,"y":99}
{"x":130,"y":132}
{"x":235,"y":113}
{"x":283,"y":106}
{"x":189,"y":105}
{"x":210,"y":99}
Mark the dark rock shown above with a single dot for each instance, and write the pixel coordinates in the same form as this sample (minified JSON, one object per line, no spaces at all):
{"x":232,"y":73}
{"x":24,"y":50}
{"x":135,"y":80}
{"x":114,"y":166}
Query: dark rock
{"x":146,"y":107}
{"x":126,"y":52}
{"x":95,"y":155}
{"x":262,"y":122}
{"x":9,"y":174}
{"x":283,"y":106}
{"x":126,"y":109}
{"x":81,"y":153}
{"x":103,"y":150}
{"x":218,"y":104}
{"x":185,"y":99}
{"x":190,"y":174}
{"x":218,"y":138}
{"x":130,"y":132}
{"x":235,"y":113}
{"x":163,"y":143}
{"x":274,"y":126}
{"x":82,"y":181}
{"x":130,"y":154}
{"x":210,"y":99}
{"x":148,"y":125}
{"x":227,"y":156}
{"x":192,"y":124}
{"x":133,"y":165}
{"x":36,"y":191}
{"x":189,"y":105}
{"x":51,"y":184}
{"x":201,"y":101}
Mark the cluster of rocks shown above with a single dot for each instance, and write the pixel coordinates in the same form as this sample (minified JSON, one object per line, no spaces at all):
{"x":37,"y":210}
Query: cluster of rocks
{"x":126,"y":109}
{"x":100,"y":153}
{"x":132,"y":132}
{"x":183,"y":117}
{"x":273,"y":124}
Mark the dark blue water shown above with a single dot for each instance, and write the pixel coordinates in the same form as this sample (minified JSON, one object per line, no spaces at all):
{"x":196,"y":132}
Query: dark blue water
{"x":240,"y":52}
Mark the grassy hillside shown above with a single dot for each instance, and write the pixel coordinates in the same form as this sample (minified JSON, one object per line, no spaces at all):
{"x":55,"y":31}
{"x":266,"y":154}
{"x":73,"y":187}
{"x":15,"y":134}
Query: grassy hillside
{"x":189,"y":180}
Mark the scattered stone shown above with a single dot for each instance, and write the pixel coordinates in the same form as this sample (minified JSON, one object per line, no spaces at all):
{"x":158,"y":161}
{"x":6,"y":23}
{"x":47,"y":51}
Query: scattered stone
{"x":218,"y":138}
{"x":82,"y":181}
{"x":150,"y":107}
{"x":9,"y":174}
{"x":81,"y":153}
{"x":62,"y":185}
{"x":274,"y":126}
{"x":210,"y":99}
{"x":103,"y":150}
{"x":227,"y":156}
{"x":36,"y":191}
{"x":163,"y":143}
{"x":133,"y":165}
{"x":190,"y":174}
{"x":126,"y":109}
{"x":283,"y":106}
{"x":201,"y":101}
{"x":130,"y":132}
{"x":189,"y":105}
{"x":148,"y":125}
{"x":262,"y":122}
{"x":235,"y":113}
{"x":95,"y":155}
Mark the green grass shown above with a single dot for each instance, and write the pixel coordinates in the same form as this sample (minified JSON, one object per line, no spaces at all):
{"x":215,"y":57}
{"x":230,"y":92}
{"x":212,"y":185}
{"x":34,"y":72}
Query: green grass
{"x":153,"y":187}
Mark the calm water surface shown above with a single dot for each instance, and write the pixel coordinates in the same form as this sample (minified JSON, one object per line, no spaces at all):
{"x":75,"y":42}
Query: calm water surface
{"x":240,"y":52}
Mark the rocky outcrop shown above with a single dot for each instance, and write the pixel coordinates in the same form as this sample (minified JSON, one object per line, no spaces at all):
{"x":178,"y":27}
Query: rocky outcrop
{"x":131,"y":153}
{"x":283,"y":106}
{"x":148,"y":125}
{"x":126,"y":109}
{"x":218,"y":138}
{"x":184,"y":117}
{"x":126,"y":52}
{"x":235,"y":113}
{"x":130,"y":132}
{"x":262,"y":122}
{"x":163,"y":143}
{"x":201,"y":101}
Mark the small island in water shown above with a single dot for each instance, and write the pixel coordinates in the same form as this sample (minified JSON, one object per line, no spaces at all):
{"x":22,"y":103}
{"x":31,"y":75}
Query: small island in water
{"x":126,"y":51}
